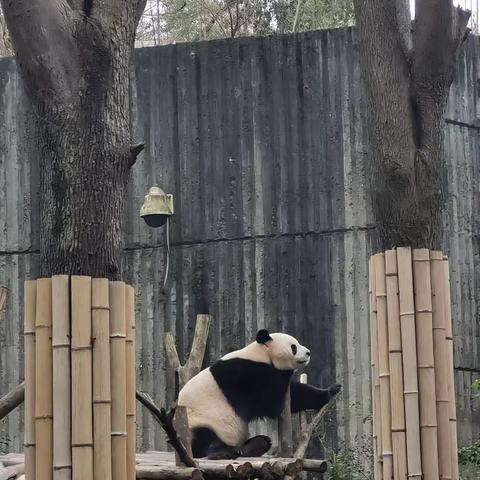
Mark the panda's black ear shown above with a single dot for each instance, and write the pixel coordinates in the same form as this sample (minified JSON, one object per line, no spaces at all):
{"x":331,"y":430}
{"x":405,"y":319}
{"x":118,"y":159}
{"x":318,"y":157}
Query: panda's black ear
{"x":263,"y":336}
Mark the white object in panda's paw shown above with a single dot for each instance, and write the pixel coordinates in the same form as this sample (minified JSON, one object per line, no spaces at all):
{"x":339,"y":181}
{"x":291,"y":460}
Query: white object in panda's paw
{"x":245,"y":385}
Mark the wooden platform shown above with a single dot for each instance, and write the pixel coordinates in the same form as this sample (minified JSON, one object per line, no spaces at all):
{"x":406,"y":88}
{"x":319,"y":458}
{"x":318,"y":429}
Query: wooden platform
{"x":161,"y":465}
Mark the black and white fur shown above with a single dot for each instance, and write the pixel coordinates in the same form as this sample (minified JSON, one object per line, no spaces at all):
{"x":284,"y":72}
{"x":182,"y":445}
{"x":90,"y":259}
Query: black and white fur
{"x":244,"y":385}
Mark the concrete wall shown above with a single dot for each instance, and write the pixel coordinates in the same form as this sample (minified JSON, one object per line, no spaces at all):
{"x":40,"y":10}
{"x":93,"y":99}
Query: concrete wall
{"x":263,"y":144}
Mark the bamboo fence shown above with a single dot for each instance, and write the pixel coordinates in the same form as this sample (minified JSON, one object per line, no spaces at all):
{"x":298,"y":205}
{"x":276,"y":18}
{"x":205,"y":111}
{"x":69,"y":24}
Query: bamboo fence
{"x":413,"y":393}
{"x":79,"y":356}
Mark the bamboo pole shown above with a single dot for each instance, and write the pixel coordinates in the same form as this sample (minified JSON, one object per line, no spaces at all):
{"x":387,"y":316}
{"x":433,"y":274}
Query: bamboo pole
{"x":425,"y":358}
{"x":377,"y":432}
{"x":383,"y":365}
{"x":43,"y":381}
{"x":62,"y":453}
{"x":399,"y":445}
{"x":82,"y":415}
{"x":30,"y":298}
{"x":102,"y":447}
{"x":118,"y":376}
{"x":409,"y":357}
{"x":441,"y":364}
{"x":130,"y":366}
{"x":451,"y":377}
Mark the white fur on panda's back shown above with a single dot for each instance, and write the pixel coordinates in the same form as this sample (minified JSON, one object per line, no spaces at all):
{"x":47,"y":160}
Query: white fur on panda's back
{"x":208,"y":407}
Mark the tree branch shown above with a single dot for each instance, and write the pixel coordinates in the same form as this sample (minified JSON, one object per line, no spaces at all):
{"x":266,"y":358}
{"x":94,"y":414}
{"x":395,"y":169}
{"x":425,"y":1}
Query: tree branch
{"x":12,"y":400}
{"x":41,"y":34}
{"x":3,"y":298}
{"x":440,"y":29}
{"x":404,"y":20}
{"x":165,"y":419}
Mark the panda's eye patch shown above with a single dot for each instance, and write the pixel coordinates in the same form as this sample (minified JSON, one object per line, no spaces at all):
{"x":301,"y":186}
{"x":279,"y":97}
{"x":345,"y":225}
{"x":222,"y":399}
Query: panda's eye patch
{"x":294,"y":349}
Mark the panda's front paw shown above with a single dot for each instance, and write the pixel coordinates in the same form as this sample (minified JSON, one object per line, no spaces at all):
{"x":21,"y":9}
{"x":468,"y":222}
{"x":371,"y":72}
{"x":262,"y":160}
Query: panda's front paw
{"x":334,"y":389}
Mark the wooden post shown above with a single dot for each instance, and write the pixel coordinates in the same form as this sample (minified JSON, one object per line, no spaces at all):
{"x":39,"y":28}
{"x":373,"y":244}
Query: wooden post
{"x":62,"y":418}
{"x":192,"y":366}
{"x":426,"y":367}
{"x":30,"y":298}
{"x":451,"y":377}
{"x":130,"y":367}
{"x":285,"y":438}
{"x":383,"y":365}
{"x":102,"y":445}
{"x":399,"y":445}
{"x":118,"y":377}
{"x":43,"y":381}
{"x":409,"y":357}
{"x":82,"y":415}
{"x":377,"y":426}
{"x":441,"y":364}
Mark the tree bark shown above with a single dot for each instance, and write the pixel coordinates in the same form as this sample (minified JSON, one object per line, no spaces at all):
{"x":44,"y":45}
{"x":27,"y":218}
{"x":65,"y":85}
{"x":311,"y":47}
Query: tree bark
{"x":74,"y":57}
{"x":407,"y":81}
{"x":12,"y":400}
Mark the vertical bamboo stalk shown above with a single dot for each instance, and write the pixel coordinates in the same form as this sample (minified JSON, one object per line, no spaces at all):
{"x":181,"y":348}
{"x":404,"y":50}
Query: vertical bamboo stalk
{"x":30,"y":298}
{"x":82,"y":415}
{"x":118,"y":376}
{"x":62,"y":452}
{"x":399,"y":445}
{"x":426,"y":368}
{"x":441,"y":364}
{"x":102,"y":447}
{"x":451,"y":377}
{"x":383,"y":365}
{"x":409,"y":357}
{"x":377,"y":435}
{"x":43,"y":381}
{"x":130,"y":366}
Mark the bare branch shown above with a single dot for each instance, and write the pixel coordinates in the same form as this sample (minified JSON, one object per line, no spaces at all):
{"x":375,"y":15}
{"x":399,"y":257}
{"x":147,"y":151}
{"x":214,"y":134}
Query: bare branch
{"x":165,"y":419}
{"x":3,"y":298}
{"x":12,"y":400}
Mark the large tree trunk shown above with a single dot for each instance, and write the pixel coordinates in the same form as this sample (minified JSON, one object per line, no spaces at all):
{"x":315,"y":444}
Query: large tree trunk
{"x":407,"y":80}
{"x":74,"y":57}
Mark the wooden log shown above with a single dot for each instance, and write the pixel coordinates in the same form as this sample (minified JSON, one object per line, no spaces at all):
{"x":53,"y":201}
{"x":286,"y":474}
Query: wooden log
{"x":450,"y":366}
{"x":425,"y":360}
{"x":399,"y":446}
{"x":383,"y":364}
{"x":30,"y":299}
{"x":180,"y":423}
{"x":43,"y":381}
{"x":409,"y":357}
{"x":101,"y":394}
{"x":167,"y":473}
{"x":62,"y":445}
{"x":130,"y":381}
{"x":437,"y":273}
{"x":12,"y":400}
{"x":285,"y":437}
{"x":82,"y":389}
{"x":377,"y":432}
{"x":3,"y":298}
{"x":118,"y":377}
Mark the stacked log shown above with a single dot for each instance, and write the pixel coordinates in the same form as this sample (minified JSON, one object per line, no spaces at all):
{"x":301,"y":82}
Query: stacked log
{"x":79,"y":355}
{"x":414,"y":421}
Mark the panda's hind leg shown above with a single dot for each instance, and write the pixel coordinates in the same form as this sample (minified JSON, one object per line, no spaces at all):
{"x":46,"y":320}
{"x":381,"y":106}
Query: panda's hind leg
{"x":256,"y":446}
{"x":205,"y":443}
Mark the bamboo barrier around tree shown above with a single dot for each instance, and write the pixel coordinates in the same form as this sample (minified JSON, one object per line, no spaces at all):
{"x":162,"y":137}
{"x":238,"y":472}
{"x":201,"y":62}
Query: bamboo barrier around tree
{"x":412,"y":353}
{"x":79,"y":355}
{"x":399,"y":445}
{"x":383,"y":365}
{"x":30,"y":298}
{"x":62,"y":454}
{"x":102,"y":451}
{"x":43,"y":381}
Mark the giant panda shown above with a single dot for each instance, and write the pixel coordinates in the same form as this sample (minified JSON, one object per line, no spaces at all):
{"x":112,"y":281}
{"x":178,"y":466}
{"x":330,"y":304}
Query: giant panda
{"x":245,"y":385}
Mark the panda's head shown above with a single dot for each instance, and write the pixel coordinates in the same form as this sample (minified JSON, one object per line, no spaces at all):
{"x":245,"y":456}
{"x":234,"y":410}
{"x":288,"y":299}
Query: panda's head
{"x":284,"y":350}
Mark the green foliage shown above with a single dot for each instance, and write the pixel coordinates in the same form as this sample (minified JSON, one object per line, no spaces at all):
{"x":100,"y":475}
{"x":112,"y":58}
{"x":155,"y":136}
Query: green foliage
{"x":193,"y":20}
{"x":470,"y":454}
{"x":352,"y":462}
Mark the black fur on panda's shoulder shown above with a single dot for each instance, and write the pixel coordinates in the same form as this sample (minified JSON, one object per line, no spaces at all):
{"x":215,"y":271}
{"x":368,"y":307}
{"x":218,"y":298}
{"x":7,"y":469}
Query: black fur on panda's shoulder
{"x":253,"y":389}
